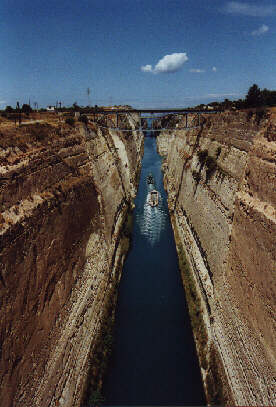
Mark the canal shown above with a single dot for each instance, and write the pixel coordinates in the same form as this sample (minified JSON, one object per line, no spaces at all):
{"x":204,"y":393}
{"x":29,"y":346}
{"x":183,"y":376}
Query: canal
{"x":154,"y":360}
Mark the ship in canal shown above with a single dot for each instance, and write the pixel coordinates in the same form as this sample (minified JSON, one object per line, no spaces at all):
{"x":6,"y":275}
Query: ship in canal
{"x":150,"y":179}
{"x":153,"y":198}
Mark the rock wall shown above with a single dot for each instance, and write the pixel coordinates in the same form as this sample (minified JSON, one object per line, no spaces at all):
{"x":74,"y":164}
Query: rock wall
{"x":64,"y":196}
{"x":221,"y":183}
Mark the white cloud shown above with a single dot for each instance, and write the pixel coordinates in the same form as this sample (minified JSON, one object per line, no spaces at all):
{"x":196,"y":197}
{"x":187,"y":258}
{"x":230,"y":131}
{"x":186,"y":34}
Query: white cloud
{"x":146,"y":68}
{"x":261,"y":30}
{"x":171,"y":63}
{"x":220,"y":95}
{"x":197,"y":70}
{"x":214,"y":69}
{"x":2,"y":102}
{"x":236,"y":7}
{"x":168,"y":64}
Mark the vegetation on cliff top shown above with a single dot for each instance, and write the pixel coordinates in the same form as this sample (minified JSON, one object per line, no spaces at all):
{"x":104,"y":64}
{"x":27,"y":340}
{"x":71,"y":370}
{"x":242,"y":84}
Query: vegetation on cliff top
{"x":255,"y":98}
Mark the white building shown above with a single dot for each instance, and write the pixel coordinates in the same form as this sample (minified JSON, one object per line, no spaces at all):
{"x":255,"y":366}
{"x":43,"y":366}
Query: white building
{"x":50,"y":108}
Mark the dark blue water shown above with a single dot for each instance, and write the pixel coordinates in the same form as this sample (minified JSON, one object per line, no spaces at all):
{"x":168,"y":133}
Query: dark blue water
{"x":154,"y":360}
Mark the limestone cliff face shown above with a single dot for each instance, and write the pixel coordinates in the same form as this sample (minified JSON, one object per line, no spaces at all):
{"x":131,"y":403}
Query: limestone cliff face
{"x":64,"y":196}
{"x":221,"y":183}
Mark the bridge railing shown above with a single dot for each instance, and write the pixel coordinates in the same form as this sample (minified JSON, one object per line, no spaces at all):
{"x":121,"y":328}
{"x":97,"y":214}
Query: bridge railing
{"x":118,"y":120}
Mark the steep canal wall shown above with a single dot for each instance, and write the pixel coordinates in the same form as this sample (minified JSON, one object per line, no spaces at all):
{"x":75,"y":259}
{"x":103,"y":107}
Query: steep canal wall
{"x":221,"y":184}
{"x":65,"y":194}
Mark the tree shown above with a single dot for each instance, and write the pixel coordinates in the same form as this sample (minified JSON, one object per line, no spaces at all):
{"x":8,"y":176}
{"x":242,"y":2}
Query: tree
{"x":70,"y":121}
{"x":239,"y":103}
{"x":9,"y":109}
{"x":254,"y":96}
{"x":83,"y":118}
{"x":26,"y":108}
{"x":76,"y":107}
{"x":269,"y":97}
{"x":227,"y":104}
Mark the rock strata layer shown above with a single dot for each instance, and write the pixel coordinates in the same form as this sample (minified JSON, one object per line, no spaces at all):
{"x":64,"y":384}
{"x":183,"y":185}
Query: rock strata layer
{"x":221,"y":183}
{"x":64,"y":196}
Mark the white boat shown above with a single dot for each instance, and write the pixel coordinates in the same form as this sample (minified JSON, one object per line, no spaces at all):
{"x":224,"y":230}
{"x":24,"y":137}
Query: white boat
{"x":153,"y":198}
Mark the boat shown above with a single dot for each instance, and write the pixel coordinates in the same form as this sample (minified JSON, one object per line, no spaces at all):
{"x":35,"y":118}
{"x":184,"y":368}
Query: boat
{"x":153,"y":198}
{"x":150,"y":179}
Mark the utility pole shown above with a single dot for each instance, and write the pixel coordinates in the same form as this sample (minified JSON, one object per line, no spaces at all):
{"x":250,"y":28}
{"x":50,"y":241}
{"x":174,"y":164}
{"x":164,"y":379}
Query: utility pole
{"x":88,"y":95}
{"x":19,"y":113}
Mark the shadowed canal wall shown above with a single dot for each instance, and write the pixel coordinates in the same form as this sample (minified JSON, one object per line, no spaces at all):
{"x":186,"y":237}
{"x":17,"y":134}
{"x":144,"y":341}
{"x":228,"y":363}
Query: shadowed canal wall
{"x":64,"y":193}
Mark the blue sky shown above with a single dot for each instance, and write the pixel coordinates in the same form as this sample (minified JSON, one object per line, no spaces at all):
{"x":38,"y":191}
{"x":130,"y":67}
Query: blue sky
{"x":147,"y":53}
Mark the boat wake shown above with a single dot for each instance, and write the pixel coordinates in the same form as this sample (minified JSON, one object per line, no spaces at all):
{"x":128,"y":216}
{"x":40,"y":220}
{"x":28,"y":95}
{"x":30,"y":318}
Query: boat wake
{"x":152,"y":220}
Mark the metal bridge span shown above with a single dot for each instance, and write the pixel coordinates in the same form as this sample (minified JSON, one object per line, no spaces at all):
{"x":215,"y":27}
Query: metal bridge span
{"x":122,"y":116}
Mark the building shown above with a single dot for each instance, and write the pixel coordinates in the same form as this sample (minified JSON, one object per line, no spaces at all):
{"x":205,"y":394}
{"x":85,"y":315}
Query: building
{"x":50,"y":108}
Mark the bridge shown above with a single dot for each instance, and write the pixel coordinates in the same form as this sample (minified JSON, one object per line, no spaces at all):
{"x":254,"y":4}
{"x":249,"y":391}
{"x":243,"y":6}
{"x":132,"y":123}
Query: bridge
{"x":158,"y":123}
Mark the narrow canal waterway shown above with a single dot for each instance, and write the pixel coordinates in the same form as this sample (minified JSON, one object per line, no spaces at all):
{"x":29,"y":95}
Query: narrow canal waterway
{"x":154,"y":360}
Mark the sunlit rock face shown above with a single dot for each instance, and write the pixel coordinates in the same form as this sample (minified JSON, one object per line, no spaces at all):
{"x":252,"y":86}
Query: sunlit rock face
{"x":65,"y":193}
{"x":221,"y":183}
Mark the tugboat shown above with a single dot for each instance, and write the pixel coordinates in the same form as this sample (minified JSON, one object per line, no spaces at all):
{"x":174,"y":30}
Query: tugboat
{"x":150,"y":179}
{"x":153,"y":198}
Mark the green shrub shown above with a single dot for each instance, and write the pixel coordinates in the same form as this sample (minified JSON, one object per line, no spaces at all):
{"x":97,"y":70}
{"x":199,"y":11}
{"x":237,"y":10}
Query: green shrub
{"x":83,"y":118}
{"x":196,"y":176}
{"x":249,"y":115}
{"x":211,"y":165}
{"x":70,"y":121}
{"x":260,"y":115}
{"x":202,"y":155}
{"x":209,"y":162}
{"x":218,"y":151}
